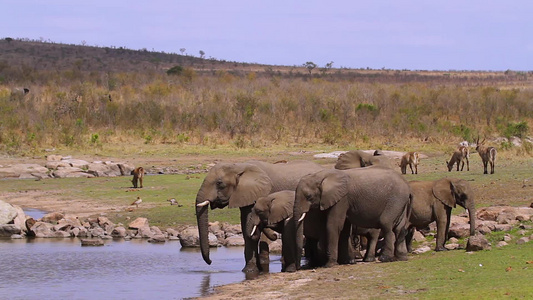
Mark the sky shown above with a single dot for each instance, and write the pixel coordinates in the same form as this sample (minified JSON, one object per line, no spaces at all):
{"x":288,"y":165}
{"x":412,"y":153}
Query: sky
{"x":393,"y":34}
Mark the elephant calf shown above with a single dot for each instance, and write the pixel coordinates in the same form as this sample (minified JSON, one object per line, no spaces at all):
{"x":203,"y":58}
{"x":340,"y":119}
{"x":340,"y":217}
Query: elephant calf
{"x":433,"y":201}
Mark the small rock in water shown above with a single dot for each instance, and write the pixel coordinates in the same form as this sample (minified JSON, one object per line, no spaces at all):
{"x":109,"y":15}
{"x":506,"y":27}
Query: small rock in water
{"x":92,"y":242}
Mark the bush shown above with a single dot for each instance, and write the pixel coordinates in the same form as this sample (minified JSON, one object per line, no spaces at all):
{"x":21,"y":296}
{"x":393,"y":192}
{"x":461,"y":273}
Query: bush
{"x":519,"y":129}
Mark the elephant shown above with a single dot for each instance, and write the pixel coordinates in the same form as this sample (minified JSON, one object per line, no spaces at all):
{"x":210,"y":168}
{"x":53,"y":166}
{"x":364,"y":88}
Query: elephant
{"x":273,"y":212}
{"x":359,"y":159}
{"x":370,"y":197}
{"x":433,"y":201}
{"x":240,"y":185}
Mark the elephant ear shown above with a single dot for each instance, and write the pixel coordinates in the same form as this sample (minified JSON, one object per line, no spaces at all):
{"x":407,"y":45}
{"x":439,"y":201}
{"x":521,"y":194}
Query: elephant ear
{"x":443,"y":190}
{"x":282,"y":207}
{"x":334,"y":188}
{"x":252,"y":183}
{"x":349,"y":160}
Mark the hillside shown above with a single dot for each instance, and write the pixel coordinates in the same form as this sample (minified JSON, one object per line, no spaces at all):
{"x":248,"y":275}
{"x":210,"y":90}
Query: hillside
{"x":83,"y":96}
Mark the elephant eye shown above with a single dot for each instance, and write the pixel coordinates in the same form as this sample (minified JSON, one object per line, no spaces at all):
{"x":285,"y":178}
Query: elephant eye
{"x":220,"y":184}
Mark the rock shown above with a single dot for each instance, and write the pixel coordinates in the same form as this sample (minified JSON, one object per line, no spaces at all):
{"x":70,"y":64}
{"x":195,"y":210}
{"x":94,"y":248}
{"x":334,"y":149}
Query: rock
{"x":521,"y":232}
{"x":453,"y":240}
{"x":459,"y":231}
{"x":119,"y":232}
{"x":418,"y":236}
{"x":75,"y":232}
{"x":477,"y":242}
{"x":54,"y":157}
{"x":452,"y":246}
{"x":507,"y":238}
{"x":52,"y":217}
{"x":103,"y":221}
{"x":275,"y":247}
{"x":77,"y":163}
{"x":501,"y":244}
{"x":71,"y":172}
{"x":172,"y":232}
{"x":158,"y":238}
{"x":139,"y":223}
{"x":145,"y":232}
{"x":7,"y":212}
{"x":483,"y":230}
{"x":189,"y":238}
{"x":67,"y":223}
{"x":421,"y":250}
{"x":104,"y":170}
{"x":42,"y":230}
{"x":125,"y":169}
{"x":92,"y":242}
{"x":17,"y":236}
{"x":230,"y":229}
{"x":234,"y":240}
{"x":24,"y":171}
{"x":20,"y":219}
{"x":156,"y":230}
{"x":522,"y":240}
{"x":489,"y":213}
{"x":503,"y":227}
{"x":7,"y":230}
{"x":97,"y":232}
{"x":54,"y":165}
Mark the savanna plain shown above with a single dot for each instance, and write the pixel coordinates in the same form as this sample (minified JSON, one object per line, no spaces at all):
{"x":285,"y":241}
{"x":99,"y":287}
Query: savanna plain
{"x":161,"y":110}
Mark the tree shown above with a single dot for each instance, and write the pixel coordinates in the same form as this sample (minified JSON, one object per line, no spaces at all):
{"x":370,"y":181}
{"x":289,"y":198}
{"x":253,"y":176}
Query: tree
{"x":182,"y":50}
{"x":327,"y":67}
{"x":310,"y":66}
{"x":176,"y":70}
{"x":8,"y":39}
{"x":202,"y":53}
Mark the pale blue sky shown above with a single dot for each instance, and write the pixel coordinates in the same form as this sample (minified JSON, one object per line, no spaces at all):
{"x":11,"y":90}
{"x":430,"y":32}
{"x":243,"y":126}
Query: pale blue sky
{"x":414,"y":35}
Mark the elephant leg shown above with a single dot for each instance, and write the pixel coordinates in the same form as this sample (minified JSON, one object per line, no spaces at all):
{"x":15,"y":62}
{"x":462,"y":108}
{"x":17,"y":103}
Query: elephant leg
{"x":250,"y":246}
{"x":373,"y":237}
{"x":334,"y":228}
{"x":443,"y":223}
{"x":409,"y":239}
{"x":346,"y":250}
{"x":400,"y":246}
{"x":388,"y":249}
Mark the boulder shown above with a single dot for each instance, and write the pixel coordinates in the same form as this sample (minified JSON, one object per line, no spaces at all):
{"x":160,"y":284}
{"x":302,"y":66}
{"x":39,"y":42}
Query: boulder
{"x":503,"y":227}
{"x":172,"y":232}
{"x":104,"y":170}
{"x":71,"y":172}
{"x":24,"y":171}
{"x":20,"y":219}
{"x":275,"y":247}
{"x":125,"y":169}
{"x":158,"y":238}
{"x":421,"y":250}
{"x":67,"y":224}
{"x":522,"y":240}
{"x":54,"y":157}
{"x":102,"y":221}
{"x":234,"y":240}
{"x":119,"y":232}
{"x":507,"y":238}
{"x":189,"y":238}
{"x":452,"y":246}
{"x":418,"y":236}
{"x":139,"y":223}
{"x":459,"y":231}
{"x":97,"y":232}
{"x":52,"y":217}
{"x":230,"y":229}
{"x":477,"y":242}
{"x":77,"y":163}
{"x":501,"y":244}
{"x":145,"y":232}
{"x":54,"y":165}
{"x":7,"y":230}
{"x":7,"y":213}
{"x":92,"y":242}
{"x":42,"y":230}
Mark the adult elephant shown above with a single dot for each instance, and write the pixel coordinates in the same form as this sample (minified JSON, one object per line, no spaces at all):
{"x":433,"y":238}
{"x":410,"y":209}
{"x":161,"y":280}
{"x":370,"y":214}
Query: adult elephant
{"x":433,"y":201}
{"x":371,"y":197}
{"x":359,"y":159}
{"x":238,"y":185}
{"x":273,"y":212}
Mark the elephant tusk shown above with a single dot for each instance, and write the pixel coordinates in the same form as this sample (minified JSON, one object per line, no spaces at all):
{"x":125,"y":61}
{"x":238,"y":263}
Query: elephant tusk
{"x":206,"y":202}
{"x":253,"y":230}
{"x":289,"y":218}
{"x":301,"y":218}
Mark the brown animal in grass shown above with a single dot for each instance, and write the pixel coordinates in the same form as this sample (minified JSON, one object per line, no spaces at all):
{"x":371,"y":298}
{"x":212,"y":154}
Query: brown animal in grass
{"x":458,"y":157}
{"x":138,"y":174}
{"x":411,"y":159}
{"x":488,"y":155}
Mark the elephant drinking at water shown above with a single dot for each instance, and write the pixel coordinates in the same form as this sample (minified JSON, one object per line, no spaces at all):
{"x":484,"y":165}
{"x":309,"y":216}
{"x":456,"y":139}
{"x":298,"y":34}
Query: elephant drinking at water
{"x":239,"y":185}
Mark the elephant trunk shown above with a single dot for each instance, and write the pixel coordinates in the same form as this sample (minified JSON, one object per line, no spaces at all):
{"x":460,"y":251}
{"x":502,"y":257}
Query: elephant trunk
{"x":202,"y":218}
{"x":298,"y":239}
{"x":472,"y":217}
{"x":252,"y":227}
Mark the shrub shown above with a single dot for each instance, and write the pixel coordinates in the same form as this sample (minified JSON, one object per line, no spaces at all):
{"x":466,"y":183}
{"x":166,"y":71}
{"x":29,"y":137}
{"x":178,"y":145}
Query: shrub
{"x":518,"y":129}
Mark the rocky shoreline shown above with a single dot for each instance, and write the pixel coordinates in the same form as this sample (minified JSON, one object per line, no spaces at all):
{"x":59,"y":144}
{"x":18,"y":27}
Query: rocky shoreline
{"x":15,"y":224}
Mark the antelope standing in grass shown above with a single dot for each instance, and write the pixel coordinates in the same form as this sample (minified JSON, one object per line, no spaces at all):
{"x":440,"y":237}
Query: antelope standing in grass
{"x":488,"y":155}
{"x":409,"y":158}
{"x":458,"y":157}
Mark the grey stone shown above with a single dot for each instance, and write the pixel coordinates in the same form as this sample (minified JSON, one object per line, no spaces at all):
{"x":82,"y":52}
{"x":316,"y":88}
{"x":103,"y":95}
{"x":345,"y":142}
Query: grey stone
{"x":145,"y":232}
{"x":503,"y":227}
{"x":42,"y":229}
{"x":522,"y":240}
{"x":422,"y":249}
{"x":451,"y":246}
{"x":459,"y":231}
{"x":501,"y":244}
{"x":119,"y":232}
{"x":138,"y":223}
{"x":234,"y":240}
{"x":52,"y":217}
{"x":7,"y":212}
{"x":7,"y":230}
{"x":158,"y":238}
{"x":189,"y":238}
{"x":477,"y":242}
{"x":418,"y":236}
{"x":92,"y":242}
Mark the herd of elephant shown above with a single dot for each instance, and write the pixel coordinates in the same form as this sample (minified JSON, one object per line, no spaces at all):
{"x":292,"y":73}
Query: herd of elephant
{"x":321,"y":211}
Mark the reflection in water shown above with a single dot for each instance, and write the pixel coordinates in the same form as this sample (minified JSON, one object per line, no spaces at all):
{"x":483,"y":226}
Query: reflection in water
{"x":46,"y":268}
